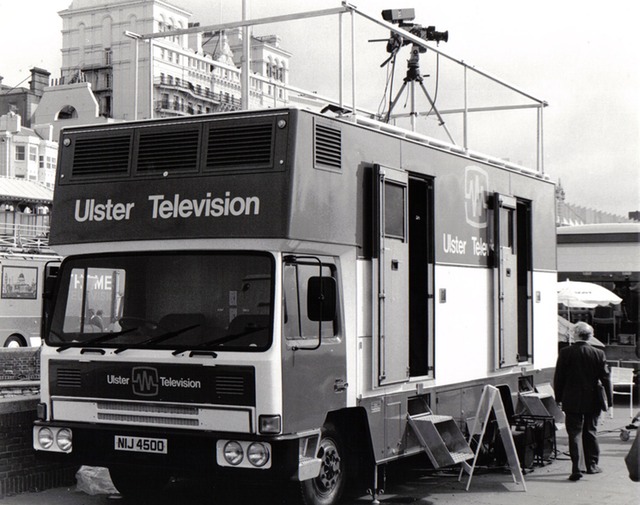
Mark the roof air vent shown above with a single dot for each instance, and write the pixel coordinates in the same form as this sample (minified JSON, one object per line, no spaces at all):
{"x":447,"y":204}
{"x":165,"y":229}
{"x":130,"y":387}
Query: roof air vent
{"x":327,"y":147}
{"x":101,"y":156}
{"x":174,"y":150}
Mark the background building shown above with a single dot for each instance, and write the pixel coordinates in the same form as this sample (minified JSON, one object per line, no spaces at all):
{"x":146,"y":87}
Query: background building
{"x":24,"y":101}
{"x":176,"y":75}
{"x":25,"y":153}
{"x":569,"y":214}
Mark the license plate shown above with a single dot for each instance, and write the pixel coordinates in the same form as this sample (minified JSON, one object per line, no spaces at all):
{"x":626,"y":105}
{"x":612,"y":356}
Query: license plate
{"x":140,"y":444}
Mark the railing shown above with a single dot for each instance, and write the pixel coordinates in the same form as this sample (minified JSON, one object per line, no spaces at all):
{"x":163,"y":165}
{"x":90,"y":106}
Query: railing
{"x":196,"y":91}
{"x":464,"y":110}
{"x":30,"y":232}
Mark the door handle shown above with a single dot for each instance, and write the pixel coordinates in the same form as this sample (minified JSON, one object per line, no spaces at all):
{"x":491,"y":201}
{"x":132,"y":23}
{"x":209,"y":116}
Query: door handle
{"x":340,"y":386}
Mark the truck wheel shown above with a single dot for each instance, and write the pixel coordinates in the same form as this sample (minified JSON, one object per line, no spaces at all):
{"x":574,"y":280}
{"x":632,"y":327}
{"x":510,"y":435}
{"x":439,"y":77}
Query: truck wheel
{"x":134,"y":482}
{"x":15,"y":341}
{"x":327,"y":488}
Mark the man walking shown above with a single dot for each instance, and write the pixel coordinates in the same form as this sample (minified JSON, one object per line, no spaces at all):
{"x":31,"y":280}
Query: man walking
{"x":578,"y":370}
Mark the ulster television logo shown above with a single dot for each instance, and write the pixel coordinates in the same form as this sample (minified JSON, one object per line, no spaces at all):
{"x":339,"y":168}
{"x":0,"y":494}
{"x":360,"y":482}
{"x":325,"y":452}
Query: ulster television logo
{"x":476,"y":184}
{"x":144,"y":380}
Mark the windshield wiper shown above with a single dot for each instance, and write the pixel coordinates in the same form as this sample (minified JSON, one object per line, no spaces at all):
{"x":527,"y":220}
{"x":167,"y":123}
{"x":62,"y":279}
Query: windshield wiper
{"x":218,"y":341}
{"x":160,"y":338}
{"x":96,"y":340}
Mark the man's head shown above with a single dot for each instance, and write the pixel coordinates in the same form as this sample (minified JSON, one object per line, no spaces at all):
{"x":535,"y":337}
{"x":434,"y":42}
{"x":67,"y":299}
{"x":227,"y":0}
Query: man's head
{"x":583,"y":331}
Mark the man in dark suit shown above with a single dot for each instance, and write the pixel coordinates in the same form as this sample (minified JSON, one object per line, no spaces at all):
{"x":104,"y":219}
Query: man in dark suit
{"x":578,"y":370}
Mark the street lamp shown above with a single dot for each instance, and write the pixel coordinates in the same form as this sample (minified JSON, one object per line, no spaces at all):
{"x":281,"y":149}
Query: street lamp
{"x":137,"y":37}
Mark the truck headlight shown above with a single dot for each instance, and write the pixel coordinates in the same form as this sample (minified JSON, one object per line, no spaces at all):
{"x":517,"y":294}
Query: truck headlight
{"x":64,"y":440}
{"x":45,"y":438}
{"x":258,"y":454}
{"x":233,"y":453}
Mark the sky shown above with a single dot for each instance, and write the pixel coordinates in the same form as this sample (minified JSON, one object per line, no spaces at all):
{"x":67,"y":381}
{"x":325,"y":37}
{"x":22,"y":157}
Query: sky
{"x":580,"y":57}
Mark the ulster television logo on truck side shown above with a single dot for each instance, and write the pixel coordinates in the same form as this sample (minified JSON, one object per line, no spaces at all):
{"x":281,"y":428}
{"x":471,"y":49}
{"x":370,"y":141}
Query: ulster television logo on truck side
{"x":145,"y":381}
{"x":476,"y":184}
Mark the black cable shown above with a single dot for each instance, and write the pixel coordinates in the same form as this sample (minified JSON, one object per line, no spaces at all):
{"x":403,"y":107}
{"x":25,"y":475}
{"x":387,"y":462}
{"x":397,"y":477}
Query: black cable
{"x":393,"y":71}
{"x":384,"y":94}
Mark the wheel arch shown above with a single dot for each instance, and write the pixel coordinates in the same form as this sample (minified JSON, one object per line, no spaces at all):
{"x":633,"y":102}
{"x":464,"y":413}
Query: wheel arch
{"x":15,"y":338}
{"x":353,"y":426}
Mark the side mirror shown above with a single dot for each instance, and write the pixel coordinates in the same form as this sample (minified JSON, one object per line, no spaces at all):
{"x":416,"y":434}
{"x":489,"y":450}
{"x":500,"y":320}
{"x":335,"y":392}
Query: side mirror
{"x":321,"y":298}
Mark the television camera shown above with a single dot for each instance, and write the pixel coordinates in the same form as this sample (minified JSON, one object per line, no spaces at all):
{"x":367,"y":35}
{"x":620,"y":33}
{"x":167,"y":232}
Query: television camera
{"x":402,"y":18}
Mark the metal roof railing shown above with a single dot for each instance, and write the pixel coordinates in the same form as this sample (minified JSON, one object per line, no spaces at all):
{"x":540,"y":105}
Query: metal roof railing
{"x":352,"y":108}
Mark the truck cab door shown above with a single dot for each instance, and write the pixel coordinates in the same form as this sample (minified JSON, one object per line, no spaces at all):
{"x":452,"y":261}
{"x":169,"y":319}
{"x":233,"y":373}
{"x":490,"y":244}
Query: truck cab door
{"x":391,"y":276}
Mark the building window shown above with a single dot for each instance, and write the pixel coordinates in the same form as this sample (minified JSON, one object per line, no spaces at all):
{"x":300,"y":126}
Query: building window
{"x":108,"y":54}
{"x":33,"y":153}
{"x":20,"y":153}
{"x":67,"y":112}
{"x":41,"y":161}
{"x":106,"y":106}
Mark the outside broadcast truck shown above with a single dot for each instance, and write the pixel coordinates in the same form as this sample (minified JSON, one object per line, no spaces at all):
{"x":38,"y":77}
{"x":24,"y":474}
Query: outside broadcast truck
{"x":285,"y":295}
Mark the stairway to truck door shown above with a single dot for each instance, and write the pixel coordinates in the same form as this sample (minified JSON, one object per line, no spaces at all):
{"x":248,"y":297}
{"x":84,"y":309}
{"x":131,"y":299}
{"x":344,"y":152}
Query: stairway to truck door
{"x":440,"y":438}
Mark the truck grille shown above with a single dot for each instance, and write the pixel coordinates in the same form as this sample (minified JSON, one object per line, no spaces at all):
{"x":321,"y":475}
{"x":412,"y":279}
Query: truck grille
{"x":145,"y":413}
{"x":220,"y":385}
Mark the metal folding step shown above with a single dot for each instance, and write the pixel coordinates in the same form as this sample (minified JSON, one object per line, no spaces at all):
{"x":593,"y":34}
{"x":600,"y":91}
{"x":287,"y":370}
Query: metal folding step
{"x":440,"y":438}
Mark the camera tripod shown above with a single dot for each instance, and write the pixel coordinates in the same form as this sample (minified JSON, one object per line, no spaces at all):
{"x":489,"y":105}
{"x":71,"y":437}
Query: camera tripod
{"x":413,"y":76}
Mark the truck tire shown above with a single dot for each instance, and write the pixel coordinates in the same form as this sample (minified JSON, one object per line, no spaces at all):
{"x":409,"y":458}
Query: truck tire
{"x":15,"y":341}
{"x":327,"y":488}
{"x":133,"y":482}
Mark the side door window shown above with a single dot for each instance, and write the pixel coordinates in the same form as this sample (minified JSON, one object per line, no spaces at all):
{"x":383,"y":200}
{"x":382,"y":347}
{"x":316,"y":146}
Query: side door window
{"x":298,"y":323}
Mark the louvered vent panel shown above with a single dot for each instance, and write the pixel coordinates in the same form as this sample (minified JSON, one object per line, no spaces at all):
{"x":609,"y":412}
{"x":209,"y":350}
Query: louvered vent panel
{"x":169,"y":151}
{"x":240,"y":146}
{"x":69,"y":378}
{"x":328,"y":147}
{"x":101,"y":156}
{"x":229,"y":386}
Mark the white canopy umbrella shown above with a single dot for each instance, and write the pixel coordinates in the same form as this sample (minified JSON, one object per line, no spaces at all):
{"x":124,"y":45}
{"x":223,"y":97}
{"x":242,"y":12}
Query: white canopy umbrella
{"x":574,"y":294}
{"x":585,"y":295}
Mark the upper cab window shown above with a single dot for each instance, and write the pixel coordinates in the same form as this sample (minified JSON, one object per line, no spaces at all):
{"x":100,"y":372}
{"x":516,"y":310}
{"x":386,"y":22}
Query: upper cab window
{"x":298,"y":323}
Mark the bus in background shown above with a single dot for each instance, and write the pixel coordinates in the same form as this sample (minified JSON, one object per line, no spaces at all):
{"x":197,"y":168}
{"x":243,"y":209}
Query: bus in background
{"x":607,"y":254}
{"x":21,"y":287}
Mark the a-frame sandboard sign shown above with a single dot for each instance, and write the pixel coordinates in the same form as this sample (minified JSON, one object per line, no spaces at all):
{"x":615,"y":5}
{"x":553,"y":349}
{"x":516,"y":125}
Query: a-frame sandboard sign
{"x":491,"y":399}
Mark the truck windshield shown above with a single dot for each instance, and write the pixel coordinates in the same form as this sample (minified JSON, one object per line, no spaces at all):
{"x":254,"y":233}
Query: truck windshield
{"x":198,"y":301}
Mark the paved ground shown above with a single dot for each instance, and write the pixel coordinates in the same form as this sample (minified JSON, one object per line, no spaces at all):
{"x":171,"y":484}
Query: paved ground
{"x":410,"y":483}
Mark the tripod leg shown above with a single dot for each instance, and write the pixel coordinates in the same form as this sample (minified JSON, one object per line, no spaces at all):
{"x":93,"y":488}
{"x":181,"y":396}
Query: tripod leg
{"x":395,"y":100}
{"x":433,"y":106}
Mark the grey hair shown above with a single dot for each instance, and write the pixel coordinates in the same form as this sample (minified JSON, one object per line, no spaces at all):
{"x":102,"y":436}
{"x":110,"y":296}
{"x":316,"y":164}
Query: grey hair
{"x":583,"y":330}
